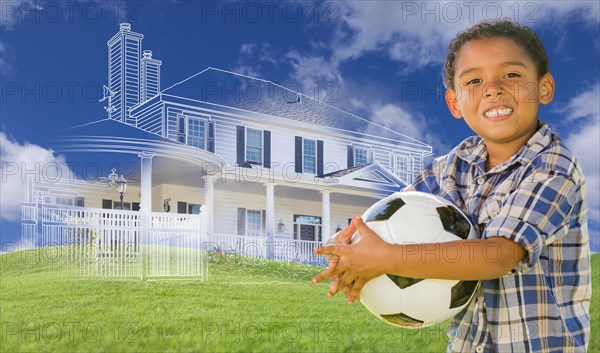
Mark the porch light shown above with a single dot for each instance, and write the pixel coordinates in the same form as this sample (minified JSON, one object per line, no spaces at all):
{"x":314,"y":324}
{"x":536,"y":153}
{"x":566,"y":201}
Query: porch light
{"x":281,"y":226}
{"x":122,"y":185}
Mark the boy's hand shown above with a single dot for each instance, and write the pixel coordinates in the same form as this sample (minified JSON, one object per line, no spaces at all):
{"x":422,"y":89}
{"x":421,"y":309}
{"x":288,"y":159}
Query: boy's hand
{"x":355,"y":264}
{"x":343,"y":237}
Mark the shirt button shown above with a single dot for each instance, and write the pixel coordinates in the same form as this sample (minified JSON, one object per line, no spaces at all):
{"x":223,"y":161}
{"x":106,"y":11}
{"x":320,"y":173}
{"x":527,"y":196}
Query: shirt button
{"x":479,"y":349}
{"x":480,"y":180}
{"x":459,"y":203}
{"x":494,"y":214}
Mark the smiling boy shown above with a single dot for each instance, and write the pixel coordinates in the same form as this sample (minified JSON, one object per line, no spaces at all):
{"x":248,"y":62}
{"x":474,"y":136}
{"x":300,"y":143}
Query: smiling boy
{"x":521,"y":186}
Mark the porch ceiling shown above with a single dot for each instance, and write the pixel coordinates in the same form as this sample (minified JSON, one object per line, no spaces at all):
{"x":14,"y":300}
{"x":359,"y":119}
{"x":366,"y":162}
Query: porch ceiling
{"x":296,"y":193}
{"x":176,"y":172}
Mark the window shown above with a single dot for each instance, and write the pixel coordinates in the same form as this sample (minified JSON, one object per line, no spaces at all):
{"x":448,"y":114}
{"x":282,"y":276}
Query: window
{"x":196,"y":135}
{"x":253,"y":221}
{"x":406,"y":167}
{"x":193,"y":208}
{"x":117,"y":205}
{"x":307,"y":228}
{"x":79,"y":201}
{"x":309,"y":156}
{"x":63,"y":200}
{"x":254,"y":146}
{"x":361,"y":156}
{"x":188,"y":208}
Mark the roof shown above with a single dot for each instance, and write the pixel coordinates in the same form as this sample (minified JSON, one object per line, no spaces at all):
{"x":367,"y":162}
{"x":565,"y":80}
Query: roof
{"x":372,"y":176}
{"x":230,"y":89}
{"x":342,"y":172}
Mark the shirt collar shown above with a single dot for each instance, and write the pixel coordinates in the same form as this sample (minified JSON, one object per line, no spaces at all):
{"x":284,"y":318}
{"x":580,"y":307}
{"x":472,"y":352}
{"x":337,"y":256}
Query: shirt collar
{"x":473,"y":151}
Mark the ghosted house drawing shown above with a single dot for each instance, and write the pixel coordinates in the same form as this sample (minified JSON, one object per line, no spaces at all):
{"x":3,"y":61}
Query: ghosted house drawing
{"x":262,"y":162}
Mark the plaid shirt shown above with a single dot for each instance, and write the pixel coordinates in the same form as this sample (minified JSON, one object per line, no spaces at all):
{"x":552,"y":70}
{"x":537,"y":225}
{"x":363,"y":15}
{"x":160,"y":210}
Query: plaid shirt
{"x":537,"y":199}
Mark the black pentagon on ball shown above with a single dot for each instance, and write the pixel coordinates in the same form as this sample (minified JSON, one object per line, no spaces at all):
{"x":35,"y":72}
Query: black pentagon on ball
{"x":461,"y":293}
{"x":454,"y":222}
{"x":402,"y":320}
{"x":384,"y":210}
{"x":404,"y":282}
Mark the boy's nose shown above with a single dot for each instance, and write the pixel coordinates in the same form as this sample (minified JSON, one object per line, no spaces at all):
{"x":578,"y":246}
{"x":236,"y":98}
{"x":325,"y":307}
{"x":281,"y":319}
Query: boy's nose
{"x":493,"y":89}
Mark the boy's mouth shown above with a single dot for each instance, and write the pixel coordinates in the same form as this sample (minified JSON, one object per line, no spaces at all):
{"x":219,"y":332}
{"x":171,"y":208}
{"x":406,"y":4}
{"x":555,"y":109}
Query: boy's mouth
{"x":498,"y":112}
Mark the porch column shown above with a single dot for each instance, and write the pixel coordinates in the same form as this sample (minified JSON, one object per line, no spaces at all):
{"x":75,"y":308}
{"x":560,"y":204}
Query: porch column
{"x":146,"y":181}
{"x":209,"y":201}
{"x":270,"y":219}
{"x":326,"y":218}
{"x":145,"y":200}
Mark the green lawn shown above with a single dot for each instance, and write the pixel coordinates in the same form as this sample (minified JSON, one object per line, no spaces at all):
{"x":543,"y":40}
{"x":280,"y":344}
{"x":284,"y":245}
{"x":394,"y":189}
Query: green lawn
{"x":247,"y":305}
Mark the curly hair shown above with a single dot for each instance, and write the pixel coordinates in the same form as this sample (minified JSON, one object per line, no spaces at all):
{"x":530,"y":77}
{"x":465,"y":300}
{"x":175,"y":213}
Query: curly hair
{"x":523,"y":36}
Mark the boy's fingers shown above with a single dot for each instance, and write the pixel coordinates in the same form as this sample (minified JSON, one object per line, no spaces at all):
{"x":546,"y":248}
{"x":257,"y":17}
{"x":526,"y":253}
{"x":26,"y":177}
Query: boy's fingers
{"x":356,"y":288}
{"x":327,"y":273}
{"x":333,"y":287}
{"x":345,"y":235}
{"x":330,"y":249}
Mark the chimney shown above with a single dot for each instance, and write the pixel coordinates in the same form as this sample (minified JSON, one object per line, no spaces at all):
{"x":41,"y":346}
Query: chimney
{"x":148,"y":54}
{"x":125,"y":27}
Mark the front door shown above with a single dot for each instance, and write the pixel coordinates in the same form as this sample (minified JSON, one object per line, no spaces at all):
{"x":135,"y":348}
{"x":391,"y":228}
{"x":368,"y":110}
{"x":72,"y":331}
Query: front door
{"x":307,"y":232}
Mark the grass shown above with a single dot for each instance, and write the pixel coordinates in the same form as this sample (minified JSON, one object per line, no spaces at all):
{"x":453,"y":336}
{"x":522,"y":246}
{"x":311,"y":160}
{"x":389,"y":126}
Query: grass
{"x":247,"y":305}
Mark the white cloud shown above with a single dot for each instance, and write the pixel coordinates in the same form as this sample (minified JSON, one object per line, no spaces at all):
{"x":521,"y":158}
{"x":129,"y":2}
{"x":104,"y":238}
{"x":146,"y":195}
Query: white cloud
{"x":583,"y":116}
{"x":416,"y":34}
{"x":255,"y":59}
{"x":312,"y":72}
{"x":17,"y":160}
{"x":413,"y":125}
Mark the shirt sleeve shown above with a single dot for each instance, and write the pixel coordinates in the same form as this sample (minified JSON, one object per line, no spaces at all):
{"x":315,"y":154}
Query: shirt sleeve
{"x":536,"y":214}
{"x":426,"y":181}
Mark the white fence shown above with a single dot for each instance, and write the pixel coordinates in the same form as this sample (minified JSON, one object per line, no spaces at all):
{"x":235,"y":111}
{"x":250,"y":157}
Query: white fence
{"x":120,"y":243}
{"x":279,"y":249}
{"x":116,"y":243}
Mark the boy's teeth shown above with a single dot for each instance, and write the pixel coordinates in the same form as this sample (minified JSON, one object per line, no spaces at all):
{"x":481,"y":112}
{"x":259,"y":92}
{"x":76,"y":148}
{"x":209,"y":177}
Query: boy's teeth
{"x":498,"y":111}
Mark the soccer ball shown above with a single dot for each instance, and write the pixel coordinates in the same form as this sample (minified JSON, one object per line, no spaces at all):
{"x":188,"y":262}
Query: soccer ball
{"x":408,"y":218}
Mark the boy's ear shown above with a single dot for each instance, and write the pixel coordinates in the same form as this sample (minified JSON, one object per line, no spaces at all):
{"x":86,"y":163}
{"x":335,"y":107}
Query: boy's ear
{"x":546,"y":88}
{"x":452,"y":102}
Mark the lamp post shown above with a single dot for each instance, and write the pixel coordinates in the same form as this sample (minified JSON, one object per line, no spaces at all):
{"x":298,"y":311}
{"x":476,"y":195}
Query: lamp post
{"x":122,"y":185}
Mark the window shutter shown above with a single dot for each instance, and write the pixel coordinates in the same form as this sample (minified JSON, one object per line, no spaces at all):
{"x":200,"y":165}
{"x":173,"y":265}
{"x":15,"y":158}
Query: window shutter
{"x":135,"y":206}
{"x":319,"y":158}
{"x":211,"y":136}
{"x":370,"y":160}
{"x":241,"y":221}
{"x":350,"y":157}
{"x":267,"y":149}
{"x":263,"y":224}
{"x":181,"y":207}
{"x":181,"y":129}
{"x":107,"y":204}
{"x":240,"y":144}
{"x":298,"y":155}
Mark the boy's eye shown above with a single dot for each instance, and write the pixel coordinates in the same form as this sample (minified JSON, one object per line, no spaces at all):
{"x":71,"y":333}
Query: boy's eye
{"x":474,"y":81}
{"x":512,"y":74}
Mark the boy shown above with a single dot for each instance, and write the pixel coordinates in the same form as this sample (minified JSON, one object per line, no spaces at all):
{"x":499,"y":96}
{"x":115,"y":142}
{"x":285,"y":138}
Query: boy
{"x":523,"y":189}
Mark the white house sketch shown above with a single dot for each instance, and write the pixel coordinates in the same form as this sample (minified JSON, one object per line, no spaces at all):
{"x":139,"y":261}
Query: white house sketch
{"x":274,"y":172}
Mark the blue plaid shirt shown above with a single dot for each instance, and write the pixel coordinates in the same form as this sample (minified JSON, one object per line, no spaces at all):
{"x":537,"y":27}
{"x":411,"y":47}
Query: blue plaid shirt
{"x":537,"y":199}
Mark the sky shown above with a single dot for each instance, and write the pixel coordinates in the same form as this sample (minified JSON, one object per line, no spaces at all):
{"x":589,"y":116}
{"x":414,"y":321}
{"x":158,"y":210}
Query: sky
{"x":381,"y":60}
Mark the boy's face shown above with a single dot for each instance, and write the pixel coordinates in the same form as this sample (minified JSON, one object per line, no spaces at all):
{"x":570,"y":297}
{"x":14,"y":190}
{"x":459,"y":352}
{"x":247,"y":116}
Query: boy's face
{"x":497,"y":91}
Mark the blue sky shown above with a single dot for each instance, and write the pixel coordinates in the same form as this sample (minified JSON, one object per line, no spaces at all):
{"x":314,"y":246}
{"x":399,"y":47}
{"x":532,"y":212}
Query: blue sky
{"x":381,"y":60}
